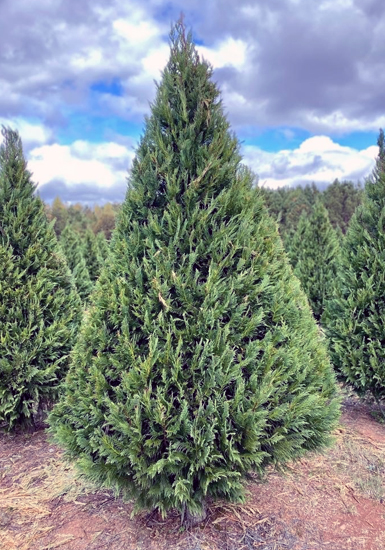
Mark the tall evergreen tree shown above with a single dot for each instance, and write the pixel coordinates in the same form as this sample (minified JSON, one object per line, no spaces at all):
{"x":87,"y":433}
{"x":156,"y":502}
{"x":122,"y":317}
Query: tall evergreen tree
{"x":73,"y":250}
{"x":39,"y":306}
{"x":199,"y":359}
{"x":314,"y":252}
{"x":355,"y":318}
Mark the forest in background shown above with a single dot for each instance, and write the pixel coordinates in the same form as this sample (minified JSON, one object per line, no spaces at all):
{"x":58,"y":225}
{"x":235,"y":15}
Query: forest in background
{"x":285,"y":204}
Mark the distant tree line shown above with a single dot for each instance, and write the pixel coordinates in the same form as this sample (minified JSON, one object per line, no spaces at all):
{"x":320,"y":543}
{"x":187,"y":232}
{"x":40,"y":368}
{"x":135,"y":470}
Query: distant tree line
{"x":287,"y":204}
{"x":82,"y":217}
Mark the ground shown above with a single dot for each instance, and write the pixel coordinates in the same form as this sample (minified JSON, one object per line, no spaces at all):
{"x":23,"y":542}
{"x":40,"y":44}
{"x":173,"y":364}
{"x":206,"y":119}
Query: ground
{"x":333,"y":501}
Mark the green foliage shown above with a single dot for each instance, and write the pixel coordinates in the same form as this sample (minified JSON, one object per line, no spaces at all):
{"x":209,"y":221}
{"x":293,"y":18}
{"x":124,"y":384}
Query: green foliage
{"x":103,"y":247}
{"x":59,"y":213}
{"x":39,"y":306}
{"x":199,"y":359}
{"x":355,"y":318}
{"x":82,"y":218}
{"x":92,"y":255}
{"x":105,"y":219}
{"x":78,"y":219}
{"x":314,"y":252}
{"x":73,"y":250}
{"x":341,"y":199}
{"x":287,"y":204}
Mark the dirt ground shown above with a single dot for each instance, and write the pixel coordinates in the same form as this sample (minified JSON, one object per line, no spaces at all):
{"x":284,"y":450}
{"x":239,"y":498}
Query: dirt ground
{"x":334,"y":501}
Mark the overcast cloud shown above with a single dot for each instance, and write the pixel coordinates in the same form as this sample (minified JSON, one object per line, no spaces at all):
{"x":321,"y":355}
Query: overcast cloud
{"x":312,"y":65}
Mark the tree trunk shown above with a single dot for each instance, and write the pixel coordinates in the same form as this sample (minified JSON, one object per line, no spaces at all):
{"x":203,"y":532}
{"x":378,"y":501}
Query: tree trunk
{"x":191,"y":520}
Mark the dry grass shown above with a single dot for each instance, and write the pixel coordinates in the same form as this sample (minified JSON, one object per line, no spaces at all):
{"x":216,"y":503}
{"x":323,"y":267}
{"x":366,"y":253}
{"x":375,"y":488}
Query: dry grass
{"x":332,"y":501}
{"x":27,"y":498}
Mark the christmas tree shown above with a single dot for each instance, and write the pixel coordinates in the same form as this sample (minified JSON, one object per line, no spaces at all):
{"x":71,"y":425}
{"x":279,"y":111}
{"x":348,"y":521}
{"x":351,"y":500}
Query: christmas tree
{"x":92,"y":255}
{"x":199,"y":359}
{"x":102,"y":245}
{"x":39,"y":306}
{"x":355,"y":317}
{"x":73,"y":250}
{"x":314,"y":252}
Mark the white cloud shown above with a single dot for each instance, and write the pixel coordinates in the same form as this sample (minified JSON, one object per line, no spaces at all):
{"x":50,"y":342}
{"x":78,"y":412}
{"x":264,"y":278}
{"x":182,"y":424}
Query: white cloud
{"x":32,"y":133}
{"x":102,"y":165}
{"x":337,"y":121}
{"x":227,"y":53}
{"x":105,"y":165}
{"x":136,"y":31}
{"x":318,"y":159}
{"x":155,"y":61}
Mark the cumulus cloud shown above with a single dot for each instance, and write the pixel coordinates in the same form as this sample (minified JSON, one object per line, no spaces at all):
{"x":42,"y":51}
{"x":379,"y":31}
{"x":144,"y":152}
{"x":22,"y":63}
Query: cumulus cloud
{"x":317,"y":65}
{"x":32,"y":133}
{"x":81,"y":171}
{"x":318,"y":159}
{"x":88,"y":172}
{"x":314,"y":64}
{"x":53,"y":52}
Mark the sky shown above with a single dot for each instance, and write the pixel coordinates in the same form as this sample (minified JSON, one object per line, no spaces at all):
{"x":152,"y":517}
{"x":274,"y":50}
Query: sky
{"x":301,"y":82}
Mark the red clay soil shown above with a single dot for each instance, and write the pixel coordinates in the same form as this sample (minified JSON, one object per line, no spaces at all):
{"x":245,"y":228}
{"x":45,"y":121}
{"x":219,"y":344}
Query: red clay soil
{"x":332,"y":501}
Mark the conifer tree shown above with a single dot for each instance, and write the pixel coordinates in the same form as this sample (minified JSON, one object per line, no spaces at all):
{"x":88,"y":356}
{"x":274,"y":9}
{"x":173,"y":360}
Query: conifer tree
{"x":59,"y":212}
{"x":355,"y":317}
{"x":199,"y":359}
{"x":92,"y":255}
{"x":39,"y":306}
{"x":73,"y":251}
{"x":340,"y":235}
{"x":102,"y":244}
{"x":314,"y":252}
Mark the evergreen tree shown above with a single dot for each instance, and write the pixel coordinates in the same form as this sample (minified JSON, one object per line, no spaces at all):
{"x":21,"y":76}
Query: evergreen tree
{"x":58,"y":211}
{"x":105,"y":219}
{"x":39,"y":306}
{"x":355,"y":318}
{"x":73,"y":251}
{"x":91,"y":253}
{"x":199,"y":359}
{"x":341,"y":199}
{"x":314,"y":252}
{"x":103,"y":246}
{"x":78,"y":219}
{"x":340,"y":235}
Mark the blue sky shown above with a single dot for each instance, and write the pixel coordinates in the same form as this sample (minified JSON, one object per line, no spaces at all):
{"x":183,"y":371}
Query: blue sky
{"x":301,"y":82}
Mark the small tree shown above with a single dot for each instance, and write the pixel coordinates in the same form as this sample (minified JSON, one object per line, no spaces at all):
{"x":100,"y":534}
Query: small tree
{"x":105,"y":219}
{"x":103,"y":246}
{"x":314,"y":252}
{"x":199,"y":359}
{"x":39,"y":306}
{"x":58,"y":211}
{"x":341,"y":199}
{"x":73,"y":251}
{"x":92,"y":255}
{"x":355,"y":317}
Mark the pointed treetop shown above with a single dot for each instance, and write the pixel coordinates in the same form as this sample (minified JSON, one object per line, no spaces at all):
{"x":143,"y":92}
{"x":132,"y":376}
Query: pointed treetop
{"x":12,"y":160}
{"x":11,"y":146}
